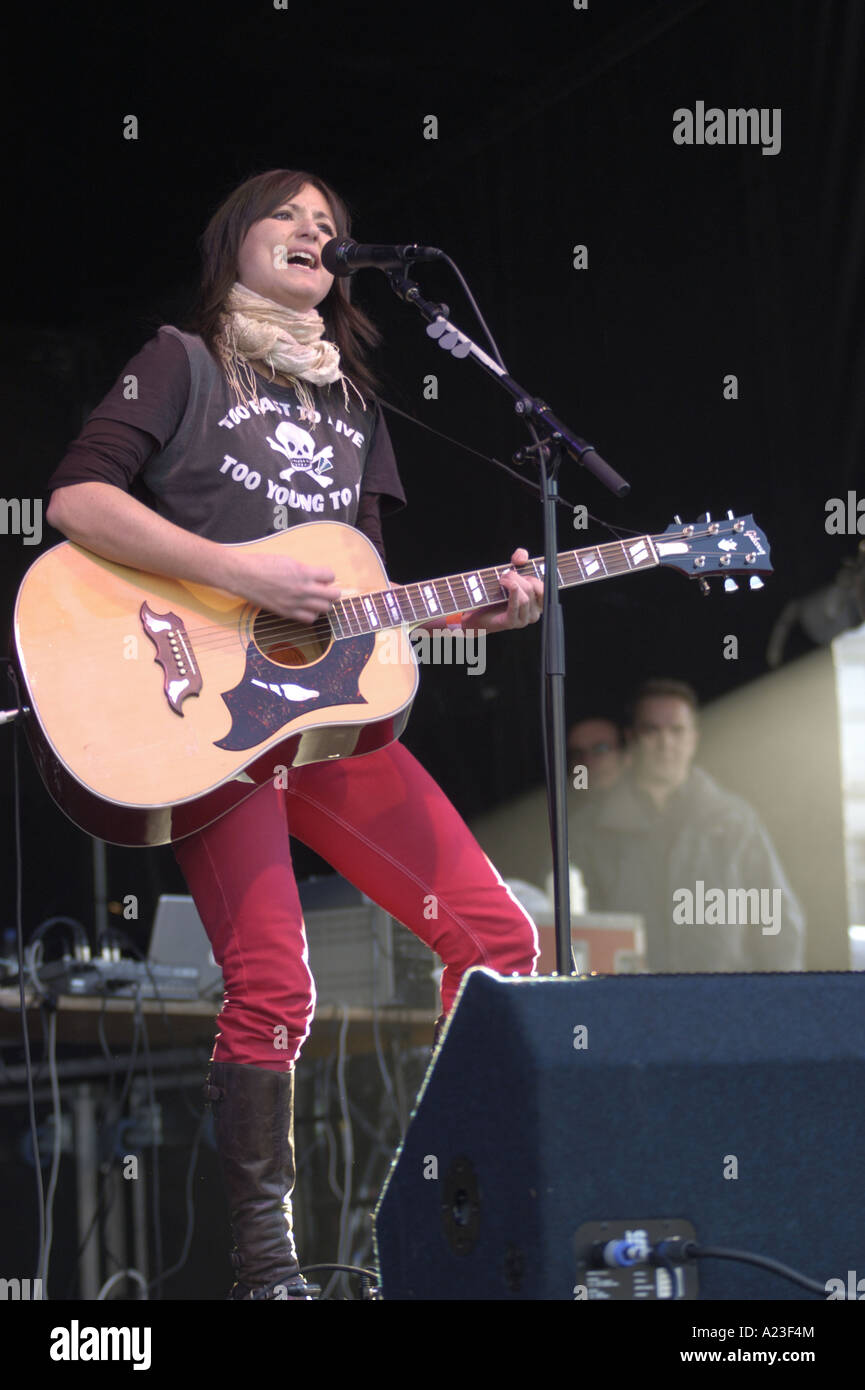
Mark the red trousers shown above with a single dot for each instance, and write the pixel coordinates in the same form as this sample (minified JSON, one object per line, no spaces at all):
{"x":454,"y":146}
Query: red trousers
{"x":384,"y":825}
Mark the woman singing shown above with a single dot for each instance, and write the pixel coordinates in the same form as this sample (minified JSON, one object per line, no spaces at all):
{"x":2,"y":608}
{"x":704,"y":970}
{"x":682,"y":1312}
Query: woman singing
{"x":271,"y":374}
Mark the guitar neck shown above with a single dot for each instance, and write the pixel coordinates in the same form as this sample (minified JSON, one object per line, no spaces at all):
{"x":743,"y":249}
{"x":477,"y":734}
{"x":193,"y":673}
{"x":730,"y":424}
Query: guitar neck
{"x":405,"y":604}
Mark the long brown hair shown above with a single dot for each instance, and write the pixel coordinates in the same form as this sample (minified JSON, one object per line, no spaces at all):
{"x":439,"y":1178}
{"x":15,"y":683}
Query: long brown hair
{"x":345,"y":325}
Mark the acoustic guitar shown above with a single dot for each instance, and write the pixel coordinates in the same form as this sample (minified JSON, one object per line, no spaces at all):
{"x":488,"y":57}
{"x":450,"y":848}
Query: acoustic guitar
{"x":154,"y":706}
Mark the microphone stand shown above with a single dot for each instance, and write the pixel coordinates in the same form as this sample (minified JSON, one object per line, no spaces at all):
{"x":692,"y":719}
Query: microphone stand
{"x":549,"y":452}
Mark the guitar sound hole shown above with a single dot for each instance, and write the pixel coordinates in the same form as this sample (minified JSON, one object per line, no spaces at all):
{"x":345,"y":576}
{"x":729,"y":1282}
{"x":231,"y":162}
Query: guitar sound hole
{"x":288,"y":643}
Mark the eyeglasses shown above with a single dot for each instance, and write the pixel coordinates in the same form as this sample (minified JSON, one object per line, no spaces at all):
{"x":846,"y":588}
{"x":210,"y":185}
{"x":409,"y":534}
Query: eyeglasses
{"x":576,"y":752}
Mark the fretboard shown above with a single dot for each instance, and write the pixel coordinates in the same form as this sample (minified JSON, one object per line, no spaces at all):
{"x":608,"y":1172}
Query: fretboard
{"x":456,"y":593}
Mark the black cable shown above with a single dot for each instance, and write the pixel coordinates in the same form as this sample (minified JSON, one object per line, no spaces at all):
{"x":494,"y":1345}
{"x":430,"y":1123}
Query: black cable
{"x":618,"y":532}
{"x":534,"y":487}
{"x":687,"y":1250}
{"x":19,"y":928}
{"x":139,"y":1028}
{"x":342,"y":1269}
{"x":155,"y":1140}
{"x":111,"y":1108}
{"x":369,"y":1276}
{"x":118,"y":935}
{"x":190,"y":1208}
{"x":478,"y":315}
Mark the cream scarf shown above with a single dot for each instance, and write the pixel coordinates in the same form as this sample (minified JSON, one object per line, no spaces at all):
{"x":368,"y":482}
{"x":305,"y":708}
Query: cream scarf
{"x":255,"y":330}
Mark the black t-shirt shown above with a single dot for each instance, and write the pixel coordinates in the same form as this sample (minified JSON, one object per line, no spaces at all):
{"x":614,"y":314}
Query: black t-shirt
{"x":230,"y":472}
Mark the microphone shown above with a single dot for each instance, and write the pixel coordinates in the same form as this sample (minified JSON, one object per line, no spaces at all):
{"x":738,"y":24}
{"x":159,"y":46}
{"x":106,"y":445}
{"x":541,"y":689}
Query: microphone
{"x":342,"y":256}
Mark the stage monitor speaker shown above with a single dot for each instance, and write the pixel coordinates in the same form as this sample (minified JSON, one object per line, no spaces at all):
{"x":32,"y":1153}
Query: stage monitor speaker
{"x":564,"y":1115}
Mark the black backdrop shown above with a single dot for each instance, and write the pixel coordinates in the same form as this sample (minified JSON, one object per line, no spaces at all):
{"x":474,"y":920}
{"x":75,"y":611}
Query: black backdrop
{"x":555,"y":128}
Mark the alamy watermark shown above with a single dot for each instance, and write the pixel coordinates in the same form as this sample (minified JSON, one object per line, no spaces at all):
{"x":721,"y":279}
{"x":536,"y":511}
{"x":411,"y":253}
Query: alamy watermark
{"x":20,"y":1290}
{"x":853,"y":1288}
{"x":22,"y":516}
{"x":718,"y":907}
{"x":77,"y":1343}
{"x":845,"y":516}
{"x":444,"y":647}
{"x":735,"y":126}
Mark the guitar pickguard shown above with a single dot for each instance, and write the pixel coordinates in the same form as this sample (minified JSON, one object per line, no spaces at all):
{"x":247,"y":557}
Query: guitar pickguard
{"x":269,"y":696}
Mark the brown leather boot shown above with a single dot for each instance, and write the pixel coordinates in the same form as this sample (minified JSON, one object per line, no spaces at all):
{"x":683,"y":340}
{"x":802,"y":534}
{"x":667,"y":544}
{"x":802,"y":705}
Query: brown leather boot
{"x":253,"y":1113}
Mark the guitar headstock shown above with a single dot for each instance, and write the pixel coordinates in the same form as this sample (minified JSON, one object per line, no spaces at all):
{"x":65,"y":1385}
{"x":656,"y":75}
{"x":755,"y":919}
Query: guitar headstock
{"x":734,"y":545}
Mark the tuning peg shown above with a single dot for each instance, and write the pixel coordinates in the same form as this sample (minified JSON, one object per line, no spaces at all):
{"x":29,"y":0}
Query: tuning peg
{"x":756,"y":582}
{"x":707,"y":517}
{"x":729,"y":516}
{"x":704,"y":586}
{"x":730,"y":586}
{"x":678,"y":520}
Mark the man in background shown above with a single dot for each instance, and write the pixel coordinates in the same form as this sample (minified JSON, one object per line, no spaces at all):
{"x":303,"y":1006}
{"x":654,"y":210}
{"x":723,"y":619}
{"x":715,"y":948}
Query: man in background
{"x":597,"y":745}
{"x":693,"y":859}
{"x":516,"y":836}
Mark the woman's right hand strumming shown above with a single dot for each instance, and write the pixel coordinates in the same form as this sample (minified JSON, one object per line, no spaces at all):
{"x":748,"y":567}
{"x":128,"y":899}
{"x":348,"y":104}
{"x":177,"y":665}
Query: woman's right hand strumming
{"x":283,"y":586}
{"x":115,"y":525}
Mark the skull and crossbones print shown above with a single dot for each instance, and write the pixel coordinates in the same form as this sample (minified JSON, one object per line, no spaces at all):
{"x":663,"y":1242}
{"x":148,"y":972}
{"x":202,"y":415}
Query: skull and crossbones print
{"x":299,"y":446}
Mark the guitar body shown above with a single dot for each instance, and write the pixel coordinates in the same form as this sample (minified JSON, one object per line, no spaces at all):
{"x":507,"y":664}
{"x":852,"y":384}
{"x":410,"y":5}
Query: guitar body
{"x":157,"y":705}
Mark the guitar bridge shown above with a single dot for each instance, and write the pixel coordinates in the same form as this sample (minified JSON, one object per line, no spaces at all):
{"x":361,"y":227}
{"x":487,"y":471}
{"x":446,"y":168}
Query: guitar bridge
{"x":181,"y":676}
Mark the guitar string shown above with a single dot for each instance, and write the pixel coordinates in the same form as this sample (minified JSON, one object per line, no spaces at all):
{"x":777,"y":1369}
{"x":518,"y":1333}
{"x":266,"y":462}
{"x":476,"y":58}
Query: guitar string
{"x":567,"y":562}
{"x":273,"y":627}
